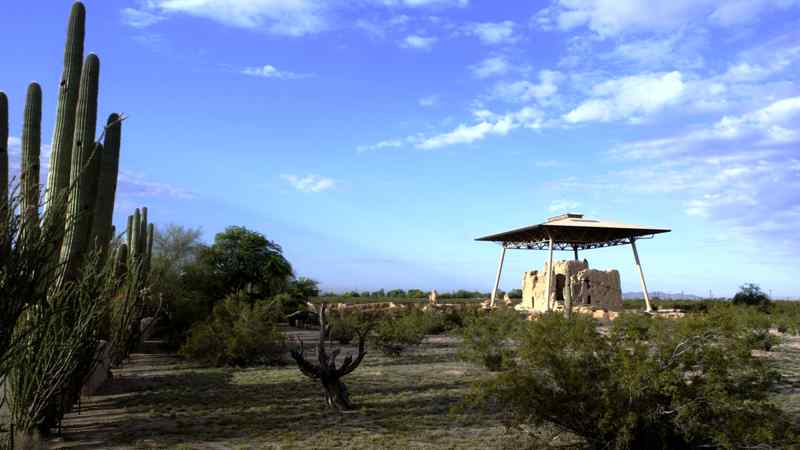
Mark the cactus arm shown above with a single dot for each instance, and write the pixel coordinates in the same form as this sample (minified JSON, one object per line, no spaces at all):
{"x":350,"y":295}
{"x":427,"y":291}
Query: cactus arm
{"x":102,"y":224}
{"x":31,"y":149}
{"x":151,"y":231}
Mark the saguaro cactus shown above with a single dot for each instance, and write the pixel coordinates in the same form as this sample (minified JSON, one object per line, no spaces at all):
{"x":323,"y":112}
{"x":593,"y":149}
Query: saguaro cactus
{"x":3,"y":151}
{"x":31,"y":149}
{"x":58,"y":177}
{"x":3,"y":174}
{"x":107,"y":184}
{"x":79,"y":203}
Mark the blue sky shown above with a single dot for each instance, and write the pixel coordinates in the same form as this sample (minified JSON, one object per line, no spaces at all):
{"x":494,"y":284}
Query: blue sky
{"x":375,"y":139}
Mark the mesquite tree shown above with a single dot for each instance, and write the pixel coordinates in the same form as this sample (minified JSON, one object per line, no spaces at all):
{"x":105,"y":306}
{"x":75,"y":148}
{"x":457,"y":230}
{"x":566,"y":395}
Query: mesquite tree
{"x":325,"y":370}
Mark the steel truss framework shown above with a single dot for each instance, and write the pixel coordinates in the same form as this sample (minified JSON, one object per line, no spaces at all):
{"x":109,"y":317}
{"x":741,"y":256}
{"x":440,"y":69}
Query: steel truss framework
{"x":563,"y":245}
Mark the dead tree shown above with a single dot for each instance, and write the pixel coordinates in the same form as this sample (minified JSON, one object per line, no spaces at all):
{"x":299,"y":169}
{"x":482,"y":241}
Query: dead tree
{"x":325,"y":371}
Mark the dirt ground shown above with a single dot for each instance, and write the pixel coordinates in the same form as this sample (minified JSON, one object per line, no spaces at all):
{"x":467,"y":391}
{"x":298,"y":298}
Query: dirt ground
{"x":158,"y":400}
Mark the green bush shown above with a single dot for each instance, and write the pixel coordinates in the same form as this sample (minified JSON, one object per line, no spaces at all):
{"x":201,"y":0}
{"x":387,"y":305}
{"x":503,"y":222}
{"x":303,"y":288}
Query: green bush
{"x":683,"y":383}
{"x":750,"y":325}
{"x":751,"y":295}
{"x":238,"y":334}
{"x":486,"y":338}
{"x":394,"y":334}
{"x":345,"y":327}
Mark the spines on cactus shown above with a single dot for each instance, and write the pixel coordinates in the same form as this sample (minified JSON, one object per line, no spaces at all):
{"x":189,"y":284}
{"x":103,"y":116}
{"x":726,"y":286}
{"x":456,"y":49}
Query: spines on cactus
{"x":3,"y":175}
{"x":58,"y":177}
{"x":3,"y":151}
{"x":78,"y":204}
{"x":31,"y":149}
{"x":102,"y":228}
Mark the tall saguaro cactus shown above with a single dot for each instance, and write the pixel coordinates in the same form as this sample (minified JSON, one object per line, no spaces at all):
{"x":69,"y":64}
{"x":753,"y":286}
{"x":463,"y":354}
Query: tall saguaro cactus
{"x":79,"y":202}
{"x":3,"y":151}
{"x":102,"y":227}
{"x":31,"y":149}
{"x":3,"y":174}
{"x":58,"y":177}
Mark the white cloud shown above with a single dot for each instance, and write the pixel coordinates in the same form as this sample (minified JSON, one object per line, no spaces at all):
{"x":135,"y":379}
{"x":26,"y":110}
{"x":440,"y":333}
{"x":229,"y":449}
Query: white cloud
{"x":493,"y":33}
{"x":563,"y":206}
{"x":610,"y":18}
{"x":764,"y":61}
{"x":770,"y":127}
{"x":310,"y":183}
{"x":390,"y":143}
{"x":490,"y":67}
{"x":424,"y":3}
{"x":629,"y":98}
{"x":284,"y":17}
{"x":269,"y":71}
{"x":488,"y":124}
{"x":525,"y":91}
{"x":429,"y":101}
{"x":140,"y":18}
{"x":418,"y":42}
{"x":735,"y":12}
{"x":491,"y":124}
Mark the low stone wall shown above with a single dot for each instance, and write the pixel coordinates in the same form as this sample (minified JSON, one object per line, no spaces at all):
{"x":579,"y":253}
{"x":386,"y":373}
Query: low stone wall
{"x":101,"y":372}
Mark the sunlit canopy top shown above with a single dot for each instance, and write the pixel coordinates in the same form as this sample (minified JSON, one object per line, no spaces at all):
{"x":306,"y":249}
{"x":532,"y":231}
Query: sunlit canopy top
{"x":572,"y":231}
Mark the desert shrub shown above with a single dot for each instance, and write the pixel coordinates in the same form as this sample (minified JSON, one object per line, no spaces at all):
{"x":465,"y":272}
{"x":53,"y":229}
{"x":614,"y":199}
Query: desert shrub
{"x":751,"y":295}
{"x":786,"y":316}
{"x":688,"y":384}
{"x":750,"y":325}
{"x":345,"y":327}
{"x":238,"y":334}
{"x":393,"y":334}
{"x":486,"y":339}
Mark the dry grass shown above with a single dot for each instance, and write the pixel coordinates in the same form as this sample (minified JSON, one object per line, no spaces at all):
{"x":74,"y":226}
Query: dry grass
{"x":160,"y":401}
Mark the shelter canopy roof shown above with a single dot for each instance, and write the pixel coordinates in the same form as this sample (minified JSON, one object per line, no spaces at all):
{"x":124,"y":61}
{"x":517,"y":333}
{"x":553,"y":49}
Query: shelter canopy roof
{"x":572,"y":231}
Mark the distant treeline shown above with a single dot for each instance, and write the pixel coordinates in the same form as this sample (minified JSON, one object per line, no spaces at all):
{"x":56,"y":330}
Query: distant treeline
{"x":418,"y":293}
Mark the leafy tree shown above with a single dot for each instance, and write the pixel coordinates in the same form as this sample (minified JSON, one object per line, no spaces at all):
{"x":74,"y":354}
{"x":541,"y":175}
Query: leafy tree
{"x":751,"y":294}
{"x":246,"y":260}
{"x":303,"y":288}
{"x":177,"y":246}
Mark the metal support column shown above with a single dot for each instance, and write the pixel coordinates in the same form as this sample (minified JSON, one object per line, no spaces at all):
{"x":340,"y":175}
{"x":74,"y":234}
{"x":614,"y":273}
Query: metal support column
{"x":549,"y":275}
{"x":497,"y":277}
{"x":648,"y":307}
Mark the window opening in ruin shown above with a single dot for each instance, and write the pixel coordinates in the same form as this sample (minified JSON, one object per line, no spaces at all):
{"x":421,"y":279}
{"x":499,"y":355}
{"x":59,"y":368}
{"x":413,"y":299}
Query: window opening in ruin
{"x":561,"y":281}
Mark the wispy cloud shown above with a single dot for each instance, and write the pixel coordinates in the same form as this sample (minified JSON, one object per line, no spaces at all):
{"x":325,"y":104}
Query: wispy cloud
{"x":491,"y":67}
{"x":741,"y":171}
{"x":140,"y":18}
{"x":608,"y":19}
{"x":269,"y":71}
{"x":487,"y":123}
{"x":493,"y":33}
{"x":291,"y":18}
{"x":136,"y":185}
{"x":309,"y":183}
{"x":418,"y":42}
{"x":563,"y":206}
{"x":526,"y":91}
{"x":428,"y":101}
